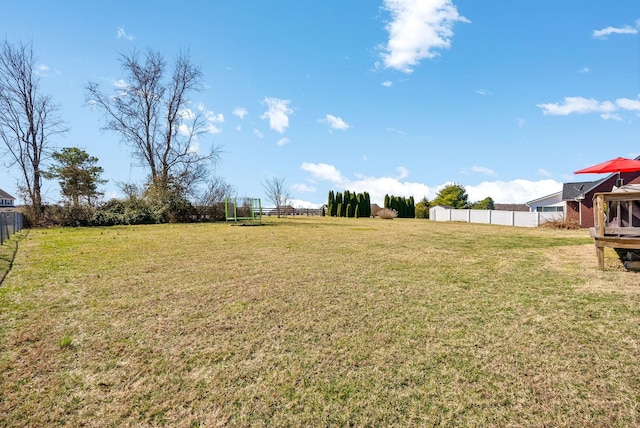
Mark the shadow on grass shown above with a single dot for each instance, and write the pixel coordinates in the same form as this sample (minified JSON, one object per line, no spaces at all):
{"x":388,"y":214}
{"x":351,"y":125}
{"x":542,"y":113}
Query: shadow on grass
{"x":8,"y":253}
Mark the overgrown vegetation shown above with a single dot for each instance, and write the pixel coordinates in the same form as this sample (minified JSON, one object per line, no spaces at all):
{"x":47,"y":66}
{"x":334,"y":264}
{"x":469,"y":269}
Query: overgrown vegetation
{"x":387,"y":213}
{"x":568,"y":224}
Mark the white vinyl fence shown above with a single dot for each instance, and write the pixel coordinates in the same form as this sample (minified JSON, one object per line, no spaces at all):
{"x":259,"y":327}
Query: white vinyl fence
{"x":505,"y":218}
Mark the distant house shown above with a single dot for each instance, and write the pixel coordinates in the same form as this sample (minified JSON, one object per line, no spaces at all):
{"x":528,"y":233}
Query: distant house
{"x":576,"y":199}
{"x":579,"y":195}
{"x":552,"y":203}
{"x":6,"y":200}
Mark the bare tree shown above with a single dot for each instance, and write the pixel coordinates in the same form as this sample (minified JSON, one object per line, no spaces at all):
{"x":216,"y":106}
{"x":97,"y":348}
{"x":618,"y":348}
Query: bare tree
{"x":277,"y":192}
{"x":154,"y":117}
{"x":211,"y":200}
{"x":28,"y":119}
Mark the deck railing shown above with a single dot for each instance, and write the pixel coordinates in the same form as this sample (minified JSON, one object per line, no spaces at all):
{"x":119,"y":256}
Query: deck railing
{"x":617,"y":223}
{"x":617,"y":213}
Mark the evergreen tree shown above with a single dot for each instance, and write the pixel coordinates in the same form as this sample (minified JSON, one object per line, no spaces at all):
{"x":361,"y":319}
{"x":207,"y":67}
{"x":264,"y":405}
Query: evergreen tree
{"x":367,"y":204}
{"x":349,"y":211}
{"x":387,"y":201}
{"x":453,"y":195}
{"x":77,"y":174}
{"x":357,"y":213}
{"x":412,"y":208}
{"x":422,"y":208}
{"x":338,"y":205}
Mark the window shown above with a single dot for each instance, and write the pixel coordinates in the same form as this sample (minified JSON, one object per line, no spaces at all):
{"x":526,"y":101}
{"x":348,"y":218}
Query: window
{"x":550,"y":209}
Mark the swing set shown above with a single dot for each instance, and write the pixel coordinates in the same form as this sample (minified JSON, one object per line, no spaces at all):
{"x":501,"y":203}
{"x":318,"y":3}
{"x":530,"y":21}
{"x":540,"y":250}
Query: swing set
{"x":248,"y":214}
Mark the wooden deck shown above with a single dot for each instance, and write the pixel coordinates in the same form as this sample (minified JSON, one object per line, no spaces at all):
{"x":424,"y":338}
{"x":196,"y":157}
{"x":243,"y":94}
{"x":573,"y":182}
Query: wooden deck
{"x":617,"y":225}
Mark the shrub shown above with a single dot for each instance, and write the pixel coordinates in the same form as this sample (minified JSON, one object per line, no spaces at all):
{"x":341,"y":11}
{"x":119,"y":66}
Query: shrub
{"x":561,"y":224}
{"x":387,"y":213}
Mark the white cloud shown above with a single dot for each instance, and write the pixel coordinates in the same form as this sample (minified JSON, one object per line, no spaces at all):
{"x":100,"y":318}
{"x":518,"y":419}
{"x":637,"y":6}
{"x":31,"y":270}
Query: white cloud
{"x":120,"y":84}
{"x":258,"y":134}
{"x":299,"y":203}
{"x":122,"y":34}
{"x":607,"y":31}
{"x":282,"y":141}
{"x":544,"y":172}
{"x":628,"y":104}
{"x":418,"y":30}
{"x":521,"y":122}
{"x":387,"y":83}
{"x":210,"y":118}
{"x":241,"y":112}
{"x":580,"y":105}
{"x":515,"y":191}
{"x":303,"y":188}
{"x":483,"y":170}
{"x":184,"y":130}
{"x":213,"y":117}
{"x":483,"y":92}
{"x":377,"y":187}
{"x":278,"y":113}
{"x":323,"y":171}
{"x":584,"y":70}
{"x":42,"y":70}
{"x":194,"y":147}
{"x":402,"y":173}
{"x":335,"y":122}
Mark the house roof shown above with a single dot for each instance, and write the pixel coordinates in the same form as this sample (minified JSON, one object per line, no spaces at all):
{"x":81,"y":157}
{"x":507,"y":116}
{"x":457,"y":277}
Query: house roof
{"x":578,"y":190}
{"x":575,"y":191}
{"x":543,"y":198}
{"x":5,"y":195}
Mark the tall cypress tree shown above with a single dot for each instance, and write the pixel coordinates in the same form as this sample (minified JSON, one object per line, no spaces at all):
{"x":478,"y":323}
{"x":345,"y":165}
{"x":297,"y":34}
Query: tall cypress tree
{"x":330,"y":201}
{"x":367,"y":204}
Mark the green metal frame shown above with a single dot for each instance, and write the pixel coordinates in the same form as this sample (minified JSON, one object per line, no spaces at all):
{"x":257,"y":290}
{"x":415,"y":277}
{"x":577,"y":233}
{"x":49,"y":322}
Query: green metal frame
{"x":255,"y":212}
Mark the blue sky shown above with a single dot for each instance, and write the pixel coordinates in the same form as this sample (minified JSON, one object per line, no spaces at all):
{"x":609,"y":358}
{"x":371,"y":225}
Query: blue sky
{"x":504,"y":97}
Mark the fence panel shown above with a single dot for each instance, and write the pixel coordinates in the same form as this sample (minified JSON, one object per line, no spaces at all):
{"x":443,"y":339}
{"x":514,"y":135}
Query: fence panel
{"x":10,"y":224}
{"x":505,"y":218}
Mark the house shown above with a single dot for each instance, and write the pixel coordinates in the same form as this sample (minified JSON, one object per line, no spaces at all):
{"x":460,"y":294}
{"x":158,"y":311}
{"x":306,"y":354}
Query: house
{"x":575,"y":200}
{"x":6,"y":200}
{"x":579,"y":195}
{"x":552,"y":203}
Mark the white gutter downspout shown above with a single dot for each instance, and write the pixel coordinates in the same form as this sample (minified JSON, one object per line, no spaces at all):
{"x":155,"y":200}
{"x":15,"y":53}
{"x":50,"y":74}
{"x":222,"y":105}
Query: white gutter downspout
{"x":580,"y":199}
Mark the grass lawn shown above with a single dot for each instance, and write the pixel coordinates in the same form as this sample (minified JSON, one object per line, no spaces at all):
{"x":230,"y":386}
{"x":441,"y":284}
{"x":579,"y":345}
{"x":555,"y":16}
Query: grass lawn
{"x":318,"y":322}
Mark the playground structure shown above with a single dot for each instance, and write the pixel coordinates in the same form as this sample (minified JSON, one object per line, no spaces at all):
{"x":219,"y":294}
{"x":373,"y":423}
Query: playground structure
{"x":248,"y":214}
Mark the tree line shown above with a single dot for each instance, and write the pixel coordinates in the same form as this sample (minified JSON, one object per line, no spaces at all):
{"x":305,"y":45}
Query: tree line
{"x":151,"y":113}
{"x":404,"y":207}
{"x":349,"y":204}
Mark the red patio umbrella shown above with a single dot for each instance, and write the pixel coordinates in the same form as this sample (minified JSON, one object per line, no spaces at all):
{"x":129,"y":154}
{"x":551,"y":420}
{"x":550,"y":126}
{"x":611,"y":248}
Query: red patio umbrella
{"x":614,"y":165}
